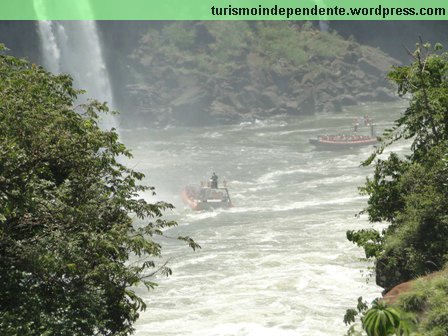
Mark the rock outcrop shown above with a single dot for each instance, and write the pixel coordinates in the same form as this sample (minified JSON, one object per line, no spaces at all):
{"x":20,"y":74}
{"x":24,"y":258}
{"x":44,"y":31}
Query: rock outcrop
{"x":392,"y":295}
{"x":195,"y":80}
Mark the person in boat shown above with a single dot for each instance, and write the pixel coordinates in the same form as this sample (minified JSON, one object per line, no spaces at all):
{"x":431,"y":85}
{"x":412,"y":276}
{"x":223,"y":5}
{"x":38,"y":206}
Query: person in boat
{"x":372,"y":130}
{"x":367,"y":120}
{"x":214,"y":181}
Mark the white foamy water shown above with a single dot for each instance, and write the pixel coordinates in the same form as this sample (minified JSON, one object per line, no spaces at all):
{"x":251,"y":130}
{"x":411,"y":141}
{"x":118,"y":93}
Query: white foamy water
{"x":74,"y":47}
{"x":278,"y":263}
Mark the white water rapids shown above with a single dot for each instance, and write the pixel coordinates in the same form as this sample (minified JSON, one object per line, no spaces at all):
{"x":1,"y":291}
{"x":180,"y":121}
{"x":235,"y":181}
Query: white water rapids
{"x":278,"y":262}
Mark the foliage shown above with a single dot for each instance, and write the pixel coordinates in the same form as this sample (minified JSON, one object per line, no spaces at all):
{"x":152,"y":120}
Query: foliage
{"x":425,"y":120}
{"x":371,"y":240}
{"x":410,"y":193}
{"x":179,"y":35}
{"x":218,"y":47}
{"x":205,"y":47}
{"x":69,"y":249}
{"x":351,"y":314}
{"x":379,"y":320}
{"x":384,"y":189}
{"x":280,"y":40}
{"x":428,"y":303}
{"x":229,"y":40}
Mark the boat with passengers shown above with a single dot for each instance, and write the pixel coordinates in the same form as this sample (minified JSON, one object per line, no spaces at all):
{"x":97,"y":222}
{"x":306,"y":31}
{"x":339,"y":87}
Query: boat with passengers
{"x":343,"y":141}
{"x":353,"y":139}
{"x":207,"y":196}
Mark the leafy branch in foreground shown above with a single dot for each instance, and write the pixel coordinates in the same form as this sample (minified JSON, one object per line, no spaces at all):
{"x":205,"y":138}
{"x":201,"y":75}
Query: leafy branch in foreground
{"x":380,"y":319}
{"x":68,"y":242}
{"x":410,"y":193}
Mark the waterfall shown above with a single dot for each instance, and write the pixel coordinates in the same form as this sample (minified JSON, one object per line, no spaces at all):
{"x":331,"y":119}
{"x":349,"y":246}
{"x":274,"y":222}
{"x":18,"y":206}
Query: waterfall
{"x":74,"y":47}
{"x":324,"y":25}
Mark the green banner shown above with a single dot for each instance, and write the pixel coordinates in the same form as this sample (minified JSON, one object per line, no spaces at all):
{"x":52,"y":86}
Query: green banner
{"x":223,"y":10}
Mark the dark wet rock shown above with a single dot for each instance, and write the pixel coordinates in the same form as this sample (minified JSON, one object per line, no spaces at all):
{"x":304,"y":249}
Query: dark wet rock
{"x":170,"y":77}
{"x":351,"y":57}
{"x":366,"y":97}
{"x":332,"y":106}
{"x":306,"y":103}
{"x":384,"y":95}
{"x":389,"y":275}
{"x":346,"y":100}
{"x":368,"y":68}
{"x":223,"y":113}
{"x":270,"y":99}
{"x":178,"y":88}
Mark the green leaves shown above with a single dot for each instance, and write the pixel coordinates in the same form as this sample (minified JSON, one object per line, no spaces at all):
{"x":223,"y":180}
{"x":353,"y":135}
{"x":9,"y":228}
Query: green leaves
{"x":371,"y":240}
{"x":410,"y":193}
{"x":402,"y":190}
{"x":190,"y":242}
{"x":350,"y":316}
{"x":426,"y":79}
{"x":381,"y":320}
{"x":69,"y":245}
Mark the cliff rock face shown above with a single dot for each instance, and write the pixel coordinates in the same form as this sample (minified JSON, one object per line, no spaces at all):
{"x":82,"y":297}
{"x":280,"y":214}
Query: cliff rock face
{"x":392,"y":295}
{"x":244,"y":70}
{"x":197,"y":73}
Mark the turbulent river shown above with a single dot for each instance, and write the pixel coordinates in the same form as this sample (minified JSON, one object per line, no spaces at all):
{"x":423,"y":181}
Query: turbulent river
{"x":278,"y":262}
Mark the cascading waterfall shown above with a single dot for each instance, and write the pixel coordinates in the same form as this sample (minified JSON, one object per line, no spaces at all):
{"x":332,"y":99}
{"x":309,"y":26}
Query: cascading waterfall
{"x":74,"y":47}
{"x":324,"y":23}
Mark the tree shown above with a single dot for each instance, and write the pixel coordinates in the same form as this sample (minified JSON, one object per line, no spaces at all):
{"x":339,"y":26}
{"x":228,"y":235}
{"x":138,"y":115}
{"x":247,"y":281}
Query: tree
{"x":69,"y":246}
{"x":411,"y":192}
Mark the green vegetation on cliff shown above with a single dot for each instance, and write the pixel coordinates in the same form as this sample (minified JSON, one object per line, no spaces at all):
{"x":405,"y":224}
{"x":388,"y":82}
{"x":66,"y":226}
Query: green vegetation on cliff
{"x":215,"y":46}
{"x":427,"y":304}
{"x":278,"y":40}
{"x":69,"y":250}
{"x":411,"y":193}
{"x":222,"y":71}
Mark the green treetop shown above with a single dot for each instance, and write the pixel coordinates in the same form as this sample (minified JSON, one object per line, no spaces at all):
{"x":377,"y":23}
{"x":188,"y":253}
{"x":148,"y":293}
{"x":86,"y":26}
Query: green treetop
{"x":411,"y":194}
{"x":67,"y":208}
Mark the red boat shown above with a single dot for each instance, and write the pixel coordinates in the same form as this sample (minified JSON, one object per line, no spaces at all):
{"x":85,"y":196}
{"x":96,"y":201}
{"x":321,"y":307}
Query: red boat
{"x":353,"y":139}
{"x":205,"y":197}
{"x":343,"y":141}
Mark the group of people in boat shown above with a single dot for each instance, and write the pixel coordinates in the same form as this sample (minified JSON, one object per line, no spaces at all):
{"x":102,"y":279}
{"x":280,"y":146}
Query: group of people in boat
{"x":207,"y":196}
{"x":365,"y":121}
{"x":213,"y":182}
{"x":344,"y":137}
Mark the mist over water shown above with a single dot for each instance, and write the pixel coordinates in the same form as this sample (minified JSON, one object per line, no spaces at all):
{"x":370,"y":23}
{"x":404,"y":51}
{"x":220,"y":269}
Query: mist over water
{"x":278,"y":262}
{"x":74,"y":47}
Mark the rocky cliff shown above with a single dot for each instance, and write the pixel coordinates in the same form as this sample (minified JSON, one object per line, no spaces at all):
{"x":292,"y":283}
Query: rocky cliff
{"x":208,"y":72}
{"x":199,"y":73}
